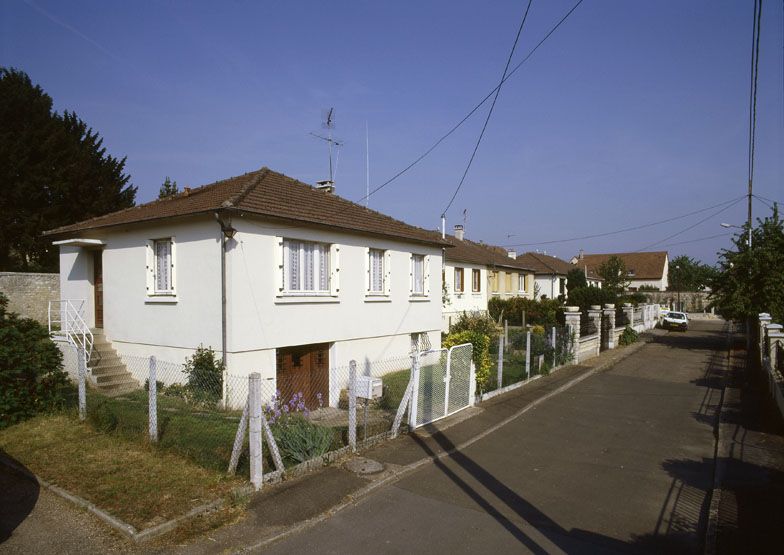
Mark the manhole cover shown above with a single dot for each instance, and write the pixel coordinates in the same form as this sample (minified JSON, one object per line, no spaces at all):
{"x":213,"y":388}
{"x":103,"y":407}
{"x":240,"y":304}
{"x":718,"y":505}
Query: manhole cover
{"x":361,"y":465}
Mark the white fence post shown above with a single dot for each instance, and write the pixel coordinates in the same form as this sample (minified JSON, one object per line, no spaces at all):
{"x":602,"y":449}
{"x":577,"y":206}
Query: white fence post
{"x":555,"y":350}
{"x":352,"y":404}
{"x":81,"y":356}
{"x":447,"y":379}
{"x":254,"y":412}
{"x":506,"y":333}
{"x":414,"y":400}
{"x":152,"y":386}
{"x":528,"y":355}
{"x":500,"y":378}
{"x":472,"y":385}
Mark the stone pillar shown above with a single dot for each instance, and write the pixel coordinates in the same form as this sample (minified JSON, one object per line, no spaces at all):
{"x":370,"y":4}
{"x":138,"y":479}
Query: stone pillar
{"x":609,"y":315}
{"x":595,"y":313}
{"x":775,"y":338}
{"x":572,"y":315}
{"x":628,"y":310}
{"x":768,"y":344}
{"x":764,"y":320}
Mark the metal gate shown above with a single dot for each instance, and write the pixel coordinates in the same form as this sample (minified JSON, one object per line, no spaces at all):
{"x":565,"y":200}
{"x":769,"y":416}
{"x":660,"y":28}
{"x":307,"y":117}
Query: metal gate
{"x":444,"y":384}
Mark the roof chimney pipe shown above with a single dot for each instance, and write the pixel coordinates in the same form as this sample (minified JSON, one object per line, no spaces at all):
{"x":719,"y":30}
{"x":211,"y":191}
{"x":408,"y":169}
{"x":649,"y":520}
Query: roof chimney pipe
{"x":459,"y":232}
{"x":512,"y":253}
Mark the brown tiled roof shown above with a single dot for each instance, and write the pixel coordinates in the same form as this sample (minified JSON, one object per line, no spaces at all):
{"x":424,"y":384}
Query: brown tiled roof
{"x":645,"y":265}
{"x":471,"y":252}
{"x":545,"y":264}
{"x":267,"y":194}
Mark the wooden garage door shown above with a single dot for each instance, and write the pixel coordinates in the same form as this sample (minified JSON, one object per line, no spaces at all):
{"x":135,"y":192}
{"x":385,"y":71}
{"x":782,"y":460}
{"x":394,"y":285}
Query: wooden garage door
{"x":304,"y":369}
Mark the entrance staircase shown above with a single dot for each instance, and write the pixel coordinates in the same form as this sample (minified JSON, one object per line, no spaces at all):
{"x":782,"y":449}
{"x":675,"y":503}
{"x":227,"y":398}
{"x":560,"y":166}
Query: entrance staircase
{"x":109,"y":374}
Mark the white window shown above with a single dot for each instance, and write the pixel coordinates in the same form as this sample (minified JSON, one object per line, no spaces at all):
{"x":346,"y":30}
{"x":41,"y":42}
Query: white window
{"x":306,"y":267}
{"x":459,"y":280}
{"x":160,"y":267}
{"x":417,"y":274}
{"x":376,"y":272}
{"x":521,"y":282}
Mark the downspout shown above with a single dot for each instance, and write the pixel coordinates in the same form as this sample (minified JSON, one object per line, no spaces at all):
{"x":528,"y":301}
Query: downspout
{"x":223,"y":227}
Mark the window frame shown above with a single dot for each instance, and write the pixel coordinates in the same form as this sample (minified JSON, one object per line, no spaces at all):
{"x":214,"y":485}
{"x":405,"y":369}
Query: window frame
{"x":152,"y":269}
{"x":425,"y":278}
{"x":323,"y":264}
{"x":459,"y":279}
{"x":386,"y":265}
{"x":476,"y":280}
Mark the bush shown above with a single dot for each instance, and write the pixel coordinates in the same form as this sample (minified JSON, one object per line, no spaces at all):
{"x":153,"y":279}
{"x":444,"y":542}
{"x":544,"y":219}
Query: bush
{"x":31,"y":369}
{"x":543,"y":312}
{"x":628,"y":336}
{"x":300,"y":440}
{"x":205,"y":375}
{"x":480,"y":355}
{"x":477,"y":322}
{"x":584,"y":297}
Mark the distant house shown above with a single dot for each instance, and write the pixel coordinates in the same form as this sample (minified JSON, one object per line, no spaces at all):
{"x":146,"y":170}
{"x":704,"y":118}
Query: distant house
{"x":280,"y":277}
{"x":644,"y":269}
{"x":476,"y":272}
{"x":550,"y":273}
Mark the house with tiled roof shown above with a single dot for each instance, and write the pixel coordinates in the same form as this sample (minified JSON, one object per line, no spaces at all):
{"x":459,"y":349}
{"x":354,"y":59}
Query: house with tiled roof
{"x":550,"y":274}
{"x":278,"y":276}
{"x":644,"y":269}
{"x":476,"y":272}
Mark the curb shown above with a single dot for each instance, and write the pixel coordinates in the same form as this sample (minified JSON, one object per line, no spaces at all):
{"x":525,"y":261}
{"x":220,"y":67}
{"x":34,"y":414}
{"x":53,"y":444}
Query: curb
{"x":397,"y":474}
{"x":113,"y":522}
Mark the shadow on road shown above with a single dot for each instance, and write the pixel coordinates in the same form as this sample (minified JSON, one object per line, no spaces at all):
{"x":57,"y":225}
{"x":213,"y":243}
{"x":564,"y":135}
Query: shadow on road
{"x":18,"y":496}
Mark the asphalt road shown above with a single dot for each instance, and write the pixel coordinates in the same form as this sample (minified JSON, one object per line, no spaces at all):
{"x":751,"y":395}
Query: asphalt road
{"x":621,"y":462}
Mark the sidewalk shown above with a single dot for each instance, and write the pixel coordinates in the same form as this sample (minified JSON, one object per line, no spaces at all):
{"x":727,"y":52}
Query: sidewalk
{"x":294,"y":505}
{"x":748,"y":506}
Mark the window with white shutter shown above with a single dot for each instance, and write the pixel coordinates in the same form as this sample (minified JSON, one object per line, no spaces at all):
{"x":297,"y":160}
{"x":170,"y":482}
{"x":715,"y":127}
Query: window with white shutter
{"x":306,"y":267}
{"x":376,"y":272}
{"x":418,"y":274}
{"x":163,"y":266}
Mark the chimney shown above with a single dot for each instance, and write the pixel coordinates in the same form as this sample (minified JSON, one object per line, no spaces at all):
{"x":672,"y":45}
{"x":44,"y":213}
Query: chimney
{"x":459,"y":232}
{"x":512,"y":253}
{"x":186,"y":190}
{"x":326,"y":185}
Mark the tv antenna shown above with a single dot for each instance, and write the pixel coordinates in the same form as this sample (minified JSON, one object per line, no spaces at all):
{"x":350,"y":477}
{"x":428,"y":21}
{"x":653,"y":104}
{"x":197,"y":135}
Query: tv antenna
{"x":328,"y":123}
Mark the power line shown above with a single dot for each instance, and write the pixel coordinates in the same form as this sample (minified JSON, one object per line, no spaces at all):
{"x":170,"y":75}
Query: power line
{"x":697,"y":240}
{"x":489,"y":112}
{"x":691,"y":226}
{"x":767,"y":199}
{"x":627,"y":229}
{"x":475,"y":108}
{"x":755,"y":42}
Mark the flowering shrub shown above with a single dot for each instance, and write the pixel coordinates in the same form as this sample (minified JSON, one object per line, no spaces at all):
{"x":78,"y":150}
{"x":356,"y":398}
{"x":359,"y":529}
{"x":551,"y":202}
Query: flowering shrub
{"x":298,"y":439}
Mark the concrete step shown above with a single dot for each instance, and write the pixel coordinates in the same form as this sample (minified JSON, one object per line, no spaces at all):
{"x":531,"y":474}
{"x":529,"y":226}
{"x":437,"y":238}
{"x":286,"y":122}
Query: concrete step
{"x":113,"y":390}
{"x":112,"y":375}
{"x":104,"y":382}
{"x":104,"y":359}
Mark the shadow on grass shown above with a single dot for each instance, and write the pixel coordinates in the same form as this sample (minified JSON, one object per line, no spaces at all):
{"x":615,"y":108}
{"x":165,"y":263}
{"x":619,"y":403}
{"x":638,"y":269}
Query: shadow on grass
{"x":18,"y":496}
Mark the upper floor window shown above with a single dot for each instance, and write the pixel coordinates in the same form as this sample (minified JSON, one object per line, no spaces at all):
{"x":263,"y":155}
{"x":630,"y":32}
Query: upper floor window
{"x":160,"y":267}
{"x":476,"y":280}
{"x":508,"y":281}
{"x":459,"y":280}
{"x":306,"y":267}
{"x":521,"y":282}
{"x":418,"y":275}
{"x":377,"y":269}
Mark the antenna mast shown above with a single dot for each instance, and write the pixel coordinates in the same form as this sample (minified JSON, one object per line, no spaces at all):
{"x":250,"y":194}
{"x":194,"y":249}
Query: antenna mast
{"x":328,"y":123}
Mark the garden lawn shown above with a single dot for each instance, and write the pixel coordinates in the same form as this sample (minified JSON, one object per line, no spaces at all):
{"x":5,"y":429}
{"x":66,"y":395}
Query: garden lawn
{"x":138,"y":483}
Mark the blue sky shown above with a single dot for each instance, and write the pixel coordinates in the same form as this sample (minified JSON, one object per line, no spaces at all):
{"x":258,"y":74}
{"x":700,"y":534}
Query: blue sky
{"x":632,"y":112}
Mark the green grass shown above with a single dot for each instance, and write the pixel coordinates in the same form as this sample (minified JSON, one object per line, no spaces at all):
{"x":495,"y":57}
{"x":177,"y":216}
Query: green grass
{"x":136,"y":482}
{"x":394,"y":387}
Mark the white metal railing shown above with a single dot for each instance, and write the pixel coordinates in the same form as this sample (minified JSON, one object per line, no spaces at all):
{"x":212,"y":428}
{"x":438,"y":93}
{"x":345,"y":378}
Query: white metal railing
{"x":66,"y":320}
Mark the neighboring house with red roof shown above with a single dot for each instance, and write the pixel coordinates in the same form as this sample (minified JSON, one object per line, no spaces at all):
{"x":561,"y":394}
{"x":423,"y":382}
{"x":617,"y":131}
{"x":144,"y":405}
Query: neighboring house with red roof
{"x":279,"y":277}
{"x":476,"y":272}
{"x":644,"y":269}
{"x":550,"y":274}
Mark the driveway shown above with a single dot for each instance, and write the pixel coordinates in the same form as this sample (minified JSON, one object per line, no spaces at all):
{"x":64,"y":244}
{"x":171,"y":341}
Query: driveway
{"x":621,"y":462}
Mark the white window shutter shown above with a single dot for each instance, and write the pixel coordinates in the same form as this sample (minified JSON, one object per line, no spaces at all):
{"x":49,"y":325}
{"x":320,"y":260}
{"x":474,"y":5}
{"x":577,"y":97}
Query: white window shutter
{"x":387,"y":273}
{"x":150,"y":268}
{"x":334,"y":269}
{"x":173,"y":267}
{"x":427,"y":275}
{"x":411,"y":273}
{"x":368,"y":271}
{"x":278,"y":260}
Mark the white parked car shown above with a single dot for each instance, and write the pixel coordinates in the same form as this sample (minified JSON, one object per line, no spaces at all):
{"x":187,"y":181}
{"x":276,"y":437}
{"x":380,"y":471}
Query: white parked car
{"x":675,"y":321}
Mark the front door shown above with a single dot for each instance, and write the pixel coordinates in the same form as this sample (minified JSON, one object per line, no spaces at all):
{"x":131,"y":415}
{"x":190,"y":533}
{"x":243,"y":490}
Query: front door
{"x":98,"y":287}
{"x":304,"y":370}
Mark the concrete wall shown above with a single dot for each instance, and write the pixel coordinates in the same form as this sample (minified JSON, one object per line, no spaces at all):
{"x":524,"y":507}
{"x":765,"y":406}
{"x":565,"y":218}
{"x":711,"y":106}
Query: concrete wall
{"x":29,"y":293}
{"x":468,"y":300}
{"x":693,"y":301}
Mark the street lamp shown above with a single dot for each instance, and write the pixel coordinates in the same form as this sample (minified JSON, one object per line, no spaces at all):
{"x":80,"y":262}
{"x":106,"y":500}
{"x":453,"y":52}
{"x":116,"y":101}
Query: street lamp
{"x":727,"y":226}
{"x":678,"y":285}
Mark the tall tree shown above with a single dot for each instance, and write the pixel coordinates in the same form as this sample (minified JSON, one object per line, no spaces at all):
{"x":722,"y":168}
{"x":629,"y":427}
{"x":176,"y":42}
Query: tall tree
{"x":168,"y":188}
{"x":54,"y":171}
{"x":751,"y":280}
{"x":688,"y":274}
{"x":615,"y":275}
{"x":575,"y":279}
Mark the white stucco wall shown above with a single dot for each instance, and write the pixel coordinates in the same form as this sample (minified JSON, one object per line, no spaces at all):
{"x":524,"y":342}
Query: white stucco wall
{"x":549,"y":285}
{"x":361,"y":327}
{"x":468,"y":300}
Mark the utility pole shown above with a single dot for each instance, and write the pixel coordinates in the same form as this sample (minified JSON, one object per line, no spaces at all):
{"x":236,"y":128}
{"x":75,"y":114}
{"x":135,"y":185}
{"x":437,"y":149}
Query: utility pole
{"x":749,"y":219}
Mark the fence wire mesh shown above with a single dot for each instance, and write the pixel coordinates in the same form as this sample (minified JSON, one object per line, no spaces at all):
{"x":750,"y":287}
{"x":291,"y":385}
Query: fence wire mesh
{"x":197,"y":409}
